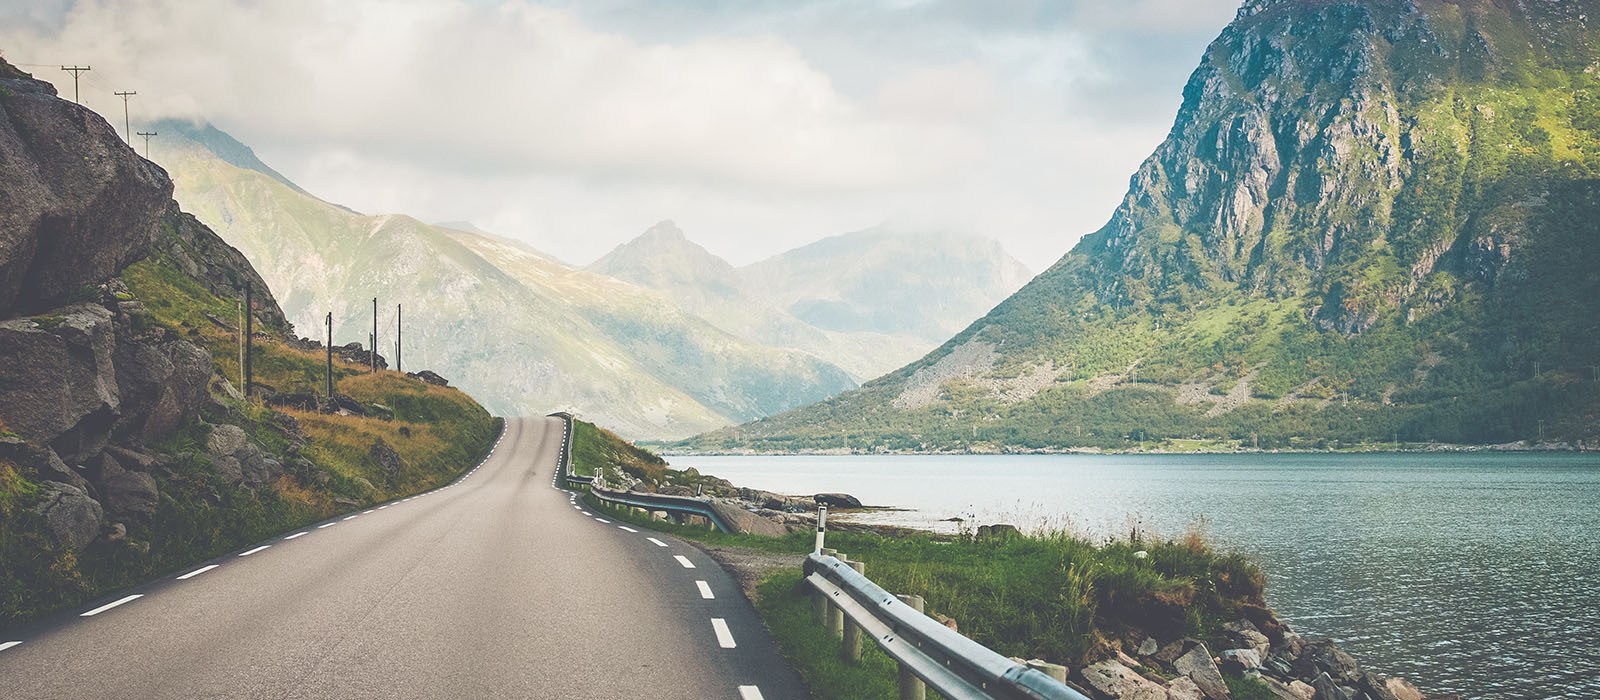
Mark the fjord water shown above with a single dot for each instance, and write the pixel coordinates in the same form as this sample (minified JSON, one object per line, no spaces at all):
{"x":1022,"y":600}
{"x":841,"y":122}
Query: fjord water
{"x":1470,"y":573}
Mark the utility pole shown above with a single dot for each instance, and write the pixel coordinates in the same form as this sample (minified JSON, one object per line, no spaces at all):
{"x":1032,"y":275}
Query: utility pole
{"x":75,"y":70}
{"x":239,"y":327}
{"x":147,"y":135}
{"x":374,"y":355}
{"x":399,"y":333}
{"x":330,"y":356}
{"x":127,"y":132}
{"x":249,"y":338}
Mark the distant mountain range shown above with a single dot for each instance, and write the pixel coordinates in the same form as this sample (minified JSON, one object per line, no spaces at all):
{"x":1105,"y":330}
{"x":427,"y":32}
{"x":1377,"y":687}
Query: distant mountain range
{"x":869,"y":301}
{"x":1372,"y":221}
{"x":521,"y":331}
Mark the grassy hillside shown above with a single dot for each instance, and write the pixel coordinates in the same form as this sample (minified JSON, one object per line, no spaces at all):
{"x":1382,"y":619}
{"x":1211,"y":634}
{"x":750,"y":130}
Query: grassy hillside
{"x":332,"y":464}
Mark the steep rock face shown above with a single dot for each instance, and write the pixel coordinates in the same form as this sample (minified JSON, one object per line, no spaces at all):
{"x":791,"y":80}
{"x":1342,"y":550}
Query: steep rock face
{"x":1371,"y":219}
{"x":88,"y":380}
{"x":77,"y":205}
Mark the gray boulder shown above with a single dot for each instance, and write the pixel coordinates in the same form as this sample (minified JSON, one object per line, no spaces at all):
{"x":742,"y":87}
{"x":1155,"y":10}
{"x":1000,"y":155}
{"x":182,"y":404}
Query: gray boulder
{"x":837,"y":500}
{"x":57,"y":382}
{"x":1198,"y":666}
{"x":71,"y":516}
{"x":1183,"y":688}
{"x":1326,"y":689}
{"x":160,"y":383}
{"x":240,"y":461}
{"x":130,"y":496}
{"x":1117,"y":681}
{"x":78,"y":204}
{"x":1241,"y":659}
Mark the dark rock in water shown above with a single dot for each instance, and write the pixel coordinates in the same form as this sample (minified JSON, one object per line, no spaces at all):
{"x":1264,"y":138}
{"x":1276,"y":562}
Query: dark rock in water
{"x":430,"y":377}
{"x":837,"y":500}
{"x":78,"y":204}
{"x":71,"y":516}
{"x":1322,"y":656}
{"x":1376,"y":687}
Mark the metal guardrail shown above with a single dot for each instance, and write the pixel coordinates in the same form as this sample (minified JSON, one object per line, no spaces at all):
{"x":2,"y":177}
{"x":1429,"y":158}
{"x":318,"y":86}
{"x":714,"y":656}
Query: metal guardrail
{"x":957,"y":667}
{"x":654,"y":501}
{"x":648,"y":501}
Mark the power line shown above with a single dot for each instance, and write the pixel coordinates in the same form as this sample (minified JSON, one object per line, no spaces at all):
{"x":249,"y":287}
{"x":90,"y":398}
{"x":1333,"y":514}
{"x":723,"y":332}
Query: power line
{"x":127,"y":133}
{"x":76,"y":70}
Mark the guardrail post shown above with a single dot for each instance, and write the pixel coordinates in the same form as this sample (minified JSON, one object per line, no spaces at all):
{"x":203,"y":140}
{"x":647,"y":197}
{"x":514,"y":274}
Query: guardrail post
{"x":912,"y":687}
{"x":850,"y":651}
{"x":1056,"y":671}
{"x":836,"y":613}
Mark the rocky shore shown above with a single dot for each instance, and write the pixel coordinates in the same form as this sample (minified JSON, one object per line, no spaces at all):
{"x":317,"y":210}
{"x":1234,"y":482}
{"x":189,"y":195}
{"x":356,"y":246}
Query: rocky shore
{"x":1257,"y":646}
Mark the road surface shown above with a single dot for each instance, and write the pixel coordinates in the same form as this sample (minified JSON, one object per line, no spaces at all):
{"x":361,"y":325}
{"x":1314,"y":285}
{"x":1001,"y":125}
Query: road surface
{"x":497,"y":586}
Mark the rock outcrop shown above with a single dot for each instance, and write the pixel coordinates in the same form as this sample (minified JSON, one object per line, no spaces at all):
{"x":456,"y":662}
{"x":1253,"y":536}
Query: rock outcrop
{"x":88,"y":381}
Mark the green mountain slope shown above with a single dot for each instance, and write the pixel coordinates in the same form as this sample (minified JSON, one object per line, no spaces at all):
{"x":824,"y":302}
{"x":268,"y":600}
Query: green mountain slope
{"x":1372,"y":220}
{"x":522,"y":339}
{"x":869,"y":301}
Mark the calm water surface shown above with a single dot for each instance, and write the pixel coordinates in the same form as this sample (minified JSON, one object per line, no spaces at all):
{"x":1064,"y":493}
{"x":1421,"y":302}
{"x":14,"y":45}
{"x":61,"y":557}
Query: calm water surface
{"x":1476,"y":573}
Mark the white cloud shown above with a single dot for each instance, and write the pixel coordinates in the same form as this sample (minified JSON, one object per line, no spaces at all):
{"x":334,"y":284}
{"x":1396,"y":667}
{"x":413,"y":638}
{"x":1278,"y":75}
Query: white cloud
{"x":757,"y":127}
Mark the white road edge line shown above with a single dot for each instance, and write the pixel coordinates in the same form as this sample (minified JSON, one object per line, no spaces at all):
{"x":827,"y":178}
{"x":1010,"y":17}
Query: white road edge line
{"x":351,"y":518}
{"x":656,"y":542}
{"x":7,"y":645}
{"x":750,"y":692}
{"x":580,"y":510}
{"x":319,"y":527}
{"x":724,"y":637}
{"x":603,"y":521}
{"x":705,"y":590}
{"x":197,"y":572}
{"x":684,"y":561}
{"x":253,"y":551}
{"x":625,"y":528}
{"x":112,"y":604}
{"x":382,"y":507}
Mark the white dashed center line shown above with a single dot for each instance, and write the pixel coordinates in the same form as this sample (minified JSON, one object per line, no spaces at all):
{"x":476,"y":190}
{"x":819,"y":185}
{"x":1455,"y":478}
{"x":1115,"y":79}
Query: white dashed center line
{"x":750,"y":692}
{"x":656,"y":542}
{"x":7,"y":645}
{"x":724,"y":637}
{"x":705,"y":590}
{"x":253,"y":551}
{"x":197,"y":572}
{"x":298,"y":534}
{"x":627,"y":529}
{"x":684,"y":561}
{"x":112,"y":604}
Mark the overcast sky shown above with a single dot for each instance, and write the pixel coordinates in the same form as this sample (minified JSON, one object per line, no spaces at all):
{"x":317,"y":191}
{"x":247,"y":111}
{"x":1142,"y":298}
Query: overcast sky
{"x":757,"y":125}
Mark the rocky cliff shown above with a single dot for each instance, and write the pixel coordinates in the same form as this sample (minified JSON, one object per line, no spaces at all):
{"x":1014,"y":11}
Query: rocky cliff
{"x":124,"y":450}
{"x":1371,"y":221}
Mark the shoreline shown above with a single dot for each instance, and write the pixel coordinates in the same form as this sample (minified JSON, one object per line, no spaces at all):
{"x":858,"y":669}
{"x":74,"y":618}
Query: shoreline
{"x":1386,"y":448}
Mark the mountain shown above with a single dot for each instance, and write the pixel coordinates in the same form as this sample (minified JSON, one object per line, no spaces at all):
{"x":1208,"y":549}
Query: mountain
{"x":1372,"y":221}
{"x":532,"y":337}
{"x":923,"y":285}
{"x":868,"y":302}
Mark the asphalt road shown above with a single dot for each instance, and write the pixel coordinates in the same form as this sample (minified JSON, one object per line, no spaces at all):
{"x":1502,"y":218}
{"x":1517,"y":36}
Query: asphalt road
{"x":496,"y":586}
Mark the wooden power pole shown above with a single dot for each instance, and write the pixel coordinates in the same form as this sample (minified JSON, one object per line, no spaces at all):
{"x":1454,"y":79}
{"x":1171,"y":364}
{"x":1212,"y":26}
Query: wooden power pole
{"x":373,"y":356}
{"x":147,"y":135}
{"x":330,"y":356}
{"x":75,"y":70}
{"x":399,"y":333}
{"x":127,"y":131}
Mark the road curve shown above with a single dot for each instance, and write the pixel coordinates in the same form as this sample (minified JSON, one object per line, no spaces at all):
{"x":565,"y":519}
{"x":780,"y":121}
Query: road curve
{"x":496,"y":586}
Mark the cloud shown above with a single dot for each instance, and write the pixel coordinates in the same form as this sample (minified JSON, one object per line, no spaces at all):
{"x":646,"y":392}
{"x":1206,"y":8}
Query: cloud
{"x":758,"y":126}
